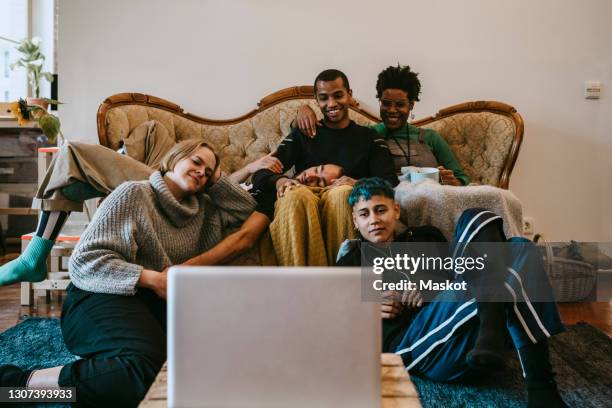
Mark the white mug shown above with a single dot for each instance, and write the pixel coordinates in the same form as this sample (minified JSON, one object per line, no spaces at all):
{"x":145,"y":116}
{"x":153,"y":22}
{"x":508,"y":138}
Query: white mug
{"x":421,"y":173}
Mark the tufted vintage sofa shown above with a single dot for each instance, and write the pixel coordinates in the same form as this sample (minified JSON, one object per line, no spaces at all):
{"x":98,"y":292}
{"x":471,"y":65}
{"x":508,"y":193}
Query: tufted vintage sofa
{"x":485,"y":136}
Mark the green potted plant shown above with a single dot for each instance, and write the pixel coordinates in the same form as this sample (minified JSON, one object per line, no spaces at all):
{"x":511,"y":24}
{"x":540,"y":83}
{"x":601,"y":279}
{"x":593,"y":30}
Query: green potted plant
{"x":32,"y":60}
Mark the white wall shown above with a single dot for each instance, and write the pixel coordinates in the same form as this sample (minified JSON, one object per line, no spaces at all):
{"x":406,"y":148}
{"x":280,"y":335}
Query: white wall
{"x":43,"y":27}
{"x":218,"y":58}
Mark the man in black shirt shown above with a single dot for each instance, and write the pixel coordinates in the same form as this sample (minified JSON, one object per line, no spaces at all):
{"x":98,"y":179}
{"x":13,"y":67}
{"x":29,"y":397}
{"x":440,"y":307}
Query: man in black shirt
{"x":310,"y":224}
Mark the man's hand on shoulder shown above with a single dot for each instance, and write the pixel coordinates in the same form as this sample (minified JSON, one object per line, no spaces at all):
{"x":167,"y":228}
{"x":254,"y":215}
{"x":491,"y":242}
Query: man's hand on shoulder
{"x":285,"y":184}
{"x":306,"y":121}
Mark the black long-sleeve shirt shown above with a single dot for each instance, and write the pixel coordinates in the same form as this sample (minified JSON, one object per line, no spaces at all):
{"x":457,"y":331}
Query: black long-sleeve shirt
{"x":393,"y":330}
{"x":359,"y":150}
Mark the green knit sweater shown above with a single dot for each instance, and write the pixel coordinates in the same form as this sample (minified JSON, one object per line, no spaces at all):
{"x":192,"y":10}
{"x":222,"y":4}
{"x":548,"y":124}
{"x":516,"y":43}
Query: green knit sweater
{"x":436,"y":143}
{"x":140,"y":225}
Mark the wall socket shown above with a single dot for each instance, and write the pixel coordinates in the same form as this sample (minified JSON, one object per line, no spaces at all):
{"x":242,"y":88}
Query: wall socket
{"x":528,"y":225}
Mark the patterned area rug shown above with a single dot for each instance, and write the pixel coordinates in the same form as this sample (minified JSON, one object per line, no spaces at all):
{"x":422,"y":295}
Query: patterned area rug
{"x":581,"y":357}
{"x":35,"y":343}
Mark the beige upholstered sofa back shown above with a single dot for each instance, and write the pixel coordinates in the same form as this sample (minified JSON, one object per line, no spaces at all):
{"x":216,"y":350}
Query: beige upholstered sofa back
{"x":485,"y":136}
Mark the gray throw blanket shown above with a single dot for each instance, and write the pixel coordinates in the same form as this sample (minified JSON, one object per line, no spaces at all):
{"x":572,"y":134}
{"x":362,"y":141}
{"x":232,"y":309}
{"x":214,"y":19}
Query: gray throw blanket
{"x":429,"y":203}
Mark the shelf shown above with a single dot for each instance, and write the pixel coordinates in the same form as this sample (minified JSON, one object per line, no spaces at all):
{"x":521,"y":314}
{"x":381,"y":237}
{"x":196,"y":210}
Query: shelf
{"x":12,"y":124}
{"x":18,"y":211}
{"x":24,"y":189}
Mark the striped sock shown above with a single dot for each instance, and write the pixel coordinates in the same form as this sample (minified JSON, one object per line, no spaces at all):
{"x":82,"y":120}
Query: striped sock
{"x":51,"y":223}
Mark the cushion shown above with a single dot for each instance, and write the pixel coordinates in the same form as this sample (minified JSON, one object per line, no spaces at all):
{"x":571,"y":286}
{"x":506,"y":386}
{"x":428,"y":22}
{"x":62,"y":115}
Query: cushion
{"x":148,"y":142}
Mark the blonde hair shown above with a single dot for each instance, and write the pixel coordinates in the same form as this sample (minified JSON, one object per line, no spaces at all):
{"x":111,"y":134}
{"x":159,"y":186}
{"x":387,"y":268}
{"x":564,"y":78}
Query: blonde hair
{"x":182,"y":150}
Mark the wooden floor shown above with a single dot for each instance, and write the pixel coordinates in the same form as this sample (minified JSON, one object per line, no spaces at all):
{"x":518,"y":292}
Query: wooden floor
{"x":598,"y":314}
{"x":10,"y":309}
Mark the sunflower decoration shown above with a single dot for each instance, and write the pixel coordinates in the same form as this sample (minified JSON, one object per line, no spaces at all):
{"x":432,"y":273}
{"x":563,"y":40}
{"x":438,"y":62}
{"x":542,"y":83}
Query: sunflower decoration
{"x":48,"y":123}
{"x":21,"y":112}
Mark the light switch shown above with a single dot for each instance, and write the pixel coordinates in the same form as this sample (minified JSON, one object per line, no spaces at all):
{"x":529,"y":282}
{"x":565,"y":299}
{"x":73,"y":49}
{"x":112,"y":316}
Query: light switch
{"x":592,"y":89}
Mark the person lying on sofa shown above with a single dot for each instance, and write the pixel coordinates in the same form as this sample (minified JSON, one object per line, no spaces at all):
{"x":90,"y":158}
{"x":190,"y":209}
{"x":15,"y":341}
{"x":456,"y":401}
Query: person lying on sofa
{"x":252,"y":229}
{"x":447,"y":340}
{"x":114,"y":313}
{"x":397,"y":89}
{"x":81,"y":171}
{"x":303,"y":216}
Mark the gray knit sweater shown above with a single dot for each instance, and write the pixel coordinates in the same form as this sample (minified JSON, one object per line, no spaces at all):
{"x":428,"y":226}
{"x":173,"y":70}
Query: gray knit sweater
{"x":140,"y":225}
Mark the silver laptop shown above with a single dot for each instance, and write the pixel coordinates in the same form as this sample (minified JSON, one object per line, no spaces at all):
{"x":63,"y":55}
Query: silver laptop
{"x":271,"y":337}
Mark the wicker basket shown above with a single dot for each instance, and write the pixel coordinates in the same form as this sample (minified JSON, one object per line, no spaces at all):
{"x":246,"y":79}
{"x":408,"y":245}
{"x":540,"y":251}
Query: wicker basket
{"x":571,"y":280}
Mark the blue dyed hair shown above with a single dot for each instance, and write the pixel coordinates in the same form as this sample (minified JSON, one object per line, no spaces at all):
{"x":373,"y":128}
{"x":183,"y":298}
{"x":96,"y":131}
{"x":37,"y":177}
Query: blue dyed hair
{"x":368,"y":187}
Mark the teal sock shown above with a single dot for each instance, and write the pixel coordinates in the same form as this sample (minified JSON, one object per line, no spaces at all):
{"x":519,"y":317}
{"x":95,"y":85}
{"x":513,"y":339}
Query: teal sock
{"x":30,"y":266}
{"x":79,"y":191}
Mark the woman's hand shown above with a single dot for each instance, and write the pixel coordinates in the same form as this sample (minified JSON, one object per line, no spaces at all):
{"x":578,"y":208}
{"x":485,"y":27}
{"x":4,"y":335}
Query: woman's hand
{"x":448,"y":177}
{"x":344,"y":181}
{"x":306,"y":121}
{"x":156,"y":281}
{"x":215,"y":176}
{"x":266,"y":162}
{"x":285,"y":184}
{"x":161,"y":284}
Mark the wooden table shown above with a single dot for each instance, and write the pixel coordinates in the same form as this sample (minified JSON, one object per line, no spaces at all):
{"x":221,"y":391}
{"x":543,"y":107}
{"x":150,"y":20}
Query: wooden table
{"x":397,"y":389}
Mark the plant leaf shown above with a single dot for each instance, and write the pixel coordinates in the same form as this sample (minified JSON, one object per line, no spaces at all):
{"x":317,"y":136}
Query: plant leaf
{"x":50,"y":125}
{"x":48,"y":76}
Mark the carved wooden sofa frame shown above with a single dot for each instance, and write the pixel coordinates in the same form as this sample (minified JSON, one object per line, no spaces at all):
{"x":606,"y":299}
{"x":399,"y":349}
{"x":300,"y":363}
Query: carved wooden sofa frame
{"x":485,"y":135}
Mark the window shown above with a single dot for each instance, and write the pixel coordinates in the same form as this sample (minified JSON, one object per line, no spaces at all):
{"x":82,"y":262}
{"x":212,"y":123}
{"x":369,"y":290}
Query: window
{"x":6,"y":64}
{"x":14,"y":17}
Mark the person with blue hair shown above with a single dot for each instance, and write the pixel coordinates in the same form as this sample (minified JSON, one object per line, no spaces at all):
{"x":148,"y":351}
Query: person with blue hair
{"x":448,"y":340}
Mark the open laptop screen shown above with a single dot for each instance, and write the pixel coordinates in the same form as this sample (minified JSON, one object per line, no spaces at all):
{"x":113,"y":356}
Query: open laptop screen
{"x":271,"y":337}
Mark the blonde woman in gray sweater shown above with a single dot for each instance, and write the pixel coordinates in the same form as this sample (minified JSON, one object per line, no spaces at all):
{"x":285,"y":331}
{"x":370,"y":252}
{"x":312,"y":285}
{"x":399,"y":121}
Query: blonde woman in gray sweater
{"x":114,"y":316}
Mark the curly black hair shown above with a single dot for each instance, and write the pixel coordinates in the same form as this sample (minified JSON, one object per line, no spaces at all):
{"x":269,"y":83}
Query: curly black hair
{"x":331,"y":75}
{"x":399,"y":77}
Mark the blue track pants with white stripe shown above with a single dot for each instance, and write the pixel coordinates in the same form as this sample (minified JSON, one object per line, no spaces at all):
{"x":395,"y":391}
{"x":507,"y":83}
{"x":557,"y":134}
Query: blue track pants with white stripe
{"x":437,"y":340}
